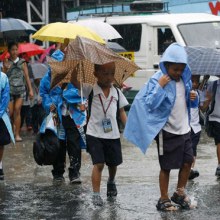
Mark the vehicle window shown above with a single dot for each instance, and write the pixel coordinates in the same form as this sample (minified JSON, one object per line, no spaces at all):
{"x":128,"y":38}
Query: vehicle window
{"x":165,"y":37}
{"x":131,"y":34}
{"x":201,"y":34}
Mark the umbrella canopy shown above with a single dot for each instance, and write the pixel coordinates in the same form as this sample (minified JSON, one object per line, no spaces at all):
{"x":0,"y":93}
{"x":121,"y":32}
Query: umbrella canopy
{"x":203,"y":61}
{"x":15,"y":27}
{"x":103,"y":29}
{"x":30,"y":49}
{"x":58,"y":32}
{"x":4,"y":55}
{"x":81,"y":56}
{"x":39,"y":70}
{"x":116,"y":47}
{"x":46,"y":52}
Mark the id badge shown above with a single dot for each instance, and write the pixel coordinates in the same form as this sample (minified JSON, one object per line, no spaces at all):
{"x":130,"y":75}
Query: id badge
{"x":107,"y":125}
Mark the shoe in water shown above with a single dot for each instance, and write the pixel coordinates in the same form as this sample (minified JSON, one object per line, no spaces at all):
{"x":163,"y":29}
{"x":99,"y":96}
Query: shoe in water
{"x":217,"y":172}
{"x":1,"y":174}
{"x":193,"y":174}
{"x":74,"y":177}
{"x":97,"y":200}
{"x":111,"y":189}
{"x":58,"y":178}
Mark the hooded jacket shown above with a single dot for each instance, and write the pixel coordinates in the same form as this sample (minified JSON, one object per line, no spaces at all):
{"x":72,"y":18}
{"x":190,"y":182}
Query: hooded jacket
{"x":153,"y":104}
{"x":4,"y":101}
{"x":57,"y":95}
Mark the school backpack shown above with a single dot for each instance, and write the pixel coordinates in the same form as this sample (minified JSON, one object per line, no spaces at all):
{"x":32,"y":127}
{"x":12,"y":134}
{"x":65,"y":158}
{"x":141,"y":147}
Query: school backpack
{"x":16,"y":77}
{"x":46,"y":148}
{"x":117,"y":113}
{"x":208,"y":125}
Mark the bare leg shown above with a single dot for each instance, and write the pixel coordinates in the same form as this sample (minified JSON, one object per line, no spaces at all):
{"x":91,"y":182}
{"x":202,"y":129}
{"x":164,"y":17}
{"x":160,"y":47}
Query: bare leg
{"x":96,"y":177}
{"x":17,"y":118}
{"x":11,"y":110}
{"x":194,"y":161}
{"x":183,"y":175}
{"x":112,"y":172}
{"x":164,"y":183}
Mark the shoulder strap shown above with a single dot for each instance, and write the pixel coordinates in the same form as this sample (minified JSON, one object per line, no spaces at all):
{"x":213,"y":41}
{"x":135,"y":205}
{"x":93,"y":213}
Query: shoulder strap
{"x":20,"y":62}
{"x":118,"y":109}
{"x":90,"y":102}
{"x":214,"y":89}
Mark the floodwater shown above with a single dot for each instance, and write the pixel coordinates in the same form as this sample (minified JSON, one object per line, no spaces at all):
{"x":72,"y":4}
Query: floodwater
{"x":28,"y":191}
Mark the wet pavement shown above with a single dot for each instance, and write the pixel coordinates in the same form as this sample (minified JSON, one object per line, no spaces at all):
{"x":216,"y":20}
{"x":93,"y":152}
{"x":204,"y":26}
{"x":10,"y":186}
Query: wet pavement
{"x":28,"y":191}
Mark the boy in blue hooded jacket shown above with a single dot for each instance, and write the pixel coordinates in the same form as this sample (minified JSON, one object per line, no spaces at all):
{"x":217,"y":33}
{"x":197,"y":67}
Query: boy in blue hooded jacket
{"x":63,"y":99}
{"x":161,"y":111}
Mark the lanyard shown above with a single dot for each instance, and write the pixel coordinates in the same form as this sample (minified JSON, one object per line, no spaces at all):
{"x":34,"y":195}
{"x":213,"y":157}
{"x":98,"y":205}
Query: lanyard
{"x":105,"y":111}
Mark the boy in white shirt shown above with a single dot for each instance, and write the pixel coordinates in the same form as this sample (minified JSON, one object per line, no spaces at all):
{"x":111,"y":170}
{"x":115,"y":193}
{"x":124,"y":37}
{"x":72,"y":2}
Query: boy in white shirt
{"x":103,"y":137}
{"x":195,"y":127}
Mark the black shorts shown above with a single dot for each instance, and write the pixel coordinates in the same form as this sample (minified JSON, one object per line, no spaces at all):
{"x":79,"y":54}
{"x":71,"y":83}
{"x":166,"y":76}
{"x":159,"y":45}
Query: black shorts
{"x":23,"y":96}
{"x":195,"y":137}
{"x":177,"y":150}
{"x":104,"y":150}
{"x":4,"y":134}
{"x":216,"y":131}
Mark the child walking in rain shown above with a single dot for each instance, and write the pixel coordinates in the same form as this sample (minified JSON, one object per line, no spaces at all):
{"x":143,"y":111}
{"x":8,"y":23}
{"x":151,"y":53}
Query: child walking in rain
{"x":195,"y":128}
{"x":60,"y":99}
{"x":103,"y":137}
{"x":6,"y":134}
{"x":161,"y":110}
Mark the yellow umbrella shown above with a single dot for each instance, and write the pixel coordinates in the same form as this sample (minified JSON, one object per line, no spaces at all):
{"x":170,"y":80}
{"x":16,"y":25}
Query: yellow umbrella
{"x":58,"y":32}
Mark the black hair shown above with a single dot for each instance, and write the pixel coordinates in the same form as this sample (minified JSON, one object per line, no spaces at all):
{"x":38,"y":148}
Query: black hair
{"x":168,"y":64}
{"x":97,"y":67}
{"x":11,"y":44}
{"x":196,"y":77}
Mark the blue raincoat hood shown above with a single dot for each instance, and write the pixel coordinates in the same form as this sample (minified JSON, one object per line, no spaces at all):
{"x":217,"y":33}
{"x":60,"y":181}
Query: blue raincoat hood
{"x":175,"y":53}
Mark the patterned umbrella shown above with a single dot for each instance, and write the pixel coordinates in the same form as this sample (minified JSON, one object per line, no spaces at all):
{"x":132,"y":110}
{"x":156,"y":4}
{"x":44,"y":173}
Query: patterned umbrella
{"x":203,"y":61}
{"x":81,"y":55}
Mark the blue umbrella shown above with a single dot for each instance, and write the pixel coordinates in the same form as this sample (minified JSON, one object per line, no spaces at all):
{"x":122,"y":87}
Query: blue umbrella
{"x":203,"y":61}
{"x":14,"y":27}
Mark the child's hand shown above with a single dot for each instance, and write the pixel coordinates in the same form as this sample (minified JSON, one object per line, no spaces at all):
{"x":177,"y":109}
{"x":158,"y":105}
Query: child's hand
{"x":193,"y":95}
{"x":208,"y":96}
{"x":31,"y":94}
{"x":52,"y":107}
{"x":164,"y":80}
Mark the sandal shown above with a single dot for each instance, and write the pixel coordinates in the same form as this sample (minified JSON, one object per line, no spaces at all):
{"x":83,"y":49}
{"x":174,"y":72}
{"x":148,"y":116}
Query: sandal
{"x":182,"y":200}
{"x":18,"y":139}
{"x":165,"y":205}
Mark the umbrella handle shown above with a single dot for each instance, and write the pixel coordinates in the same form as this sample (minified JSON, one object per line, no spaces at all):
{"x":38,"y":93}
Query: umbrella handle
{"x":81,"y":84}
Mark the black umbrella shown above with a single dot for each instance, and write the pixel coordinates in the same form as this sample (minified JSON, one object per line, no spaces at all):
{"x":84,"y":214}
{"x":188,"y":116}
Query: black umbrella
{"x":203,"y":61}
{"x":12,"y":27}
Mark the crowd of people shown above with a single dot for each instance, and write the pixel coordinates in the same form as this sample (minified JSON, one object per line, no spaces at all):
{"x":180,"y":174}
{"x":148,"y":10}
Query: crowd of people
{"x":166,"y":109}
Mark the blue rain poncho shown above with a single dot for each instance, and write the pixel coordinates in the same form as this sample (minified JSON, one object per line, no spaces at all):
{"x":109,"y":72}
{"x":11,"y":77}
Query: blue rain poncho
{"x":153,"y":104}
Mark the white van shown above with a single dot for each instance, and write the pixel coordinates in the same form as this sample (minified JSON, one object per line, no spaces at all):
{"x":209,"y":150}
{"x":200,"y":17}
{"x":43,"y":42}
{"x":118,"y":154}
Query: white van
{"x":145,"y":37}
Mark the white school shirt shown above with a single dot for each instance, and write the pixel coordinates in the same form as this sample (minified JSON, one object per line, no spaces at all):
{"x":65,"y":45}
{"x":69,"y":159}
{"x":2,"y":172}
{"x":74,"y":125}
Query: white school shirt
{"x":94,"y":127}
{"x":194,"y":120}
{"x":215,"y":116}
{"x":178,"y":121}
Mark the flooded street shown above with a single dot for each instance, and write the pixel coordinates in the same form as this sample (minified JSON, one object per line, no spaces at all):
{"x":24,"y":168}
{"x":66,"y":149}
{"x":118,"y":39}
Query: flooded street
{"x":28,"y":191}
